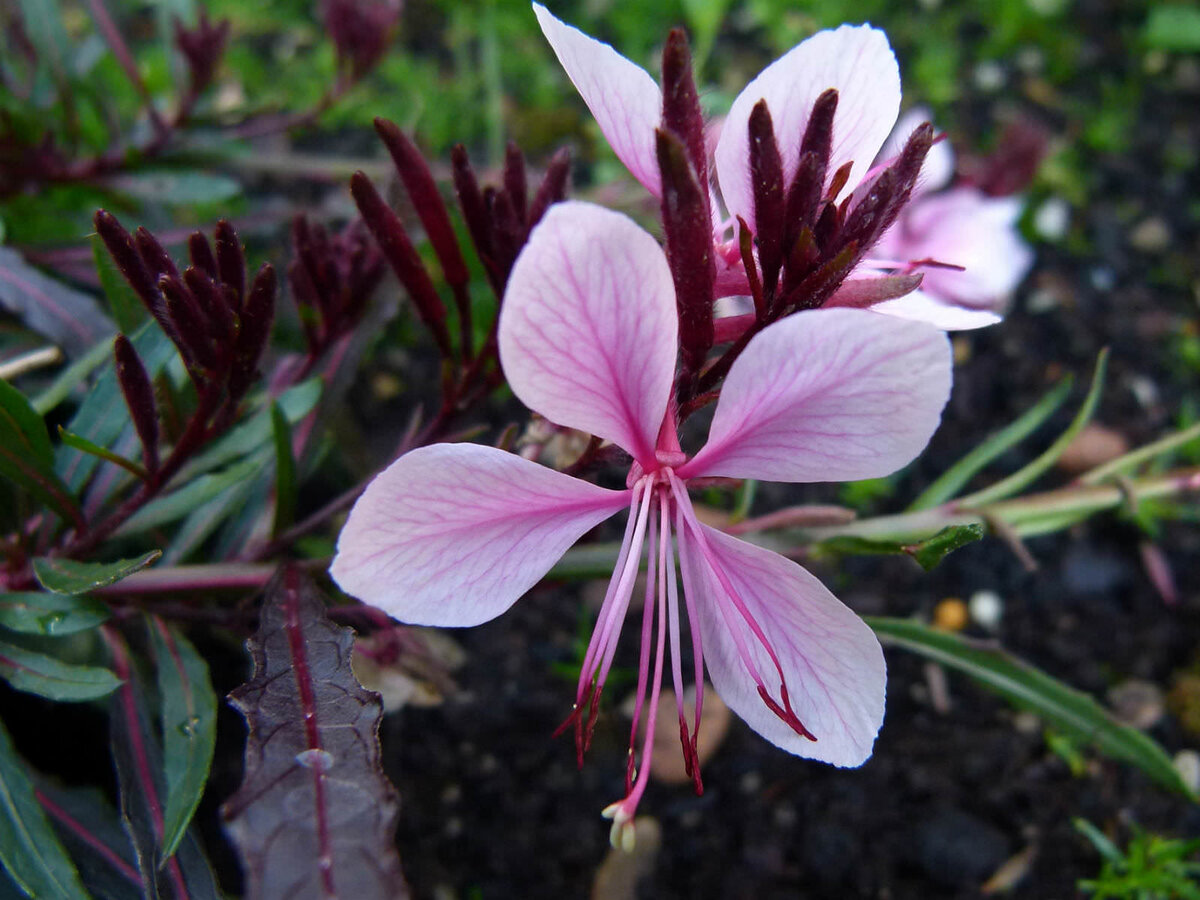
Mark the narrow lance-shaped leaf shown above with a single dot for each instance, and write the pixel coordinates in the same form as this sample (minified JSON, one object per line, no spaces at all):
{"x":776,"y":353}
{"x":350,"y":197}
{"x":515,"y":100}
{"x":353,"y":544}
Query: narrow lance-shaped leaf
{"x":189,"y":727}
{"x":956,"y":477}
{"x":1034,"y":470}
{"x":30,"y":852}
{"x":68,"y":576}
{"x":137,"y":759}
{"x":928,"y":553}
{"x":315,"y":813}
{"x":69,"y":318}
{"x":1063,"y":707}
{"x":89,"y":828}
{"x":26,"y":457}
{"x":37,"y":673}
{"x":285,"y":472}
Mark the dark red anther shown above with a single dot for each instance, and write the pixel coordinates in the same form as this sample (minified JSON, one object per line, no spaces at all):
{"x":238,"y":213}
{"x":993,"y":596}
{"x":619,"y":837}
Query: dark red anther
{"x":689,"y":252}
{"x":393,"y":240}
{"x":552,"y":189}
{"x":514,"y":180}
{"x":139,"y":397}
{"x":766,"y":178}
{"x":426,"y":199}
{"x":253,"y":331}
{"x":231,"y":260}
{"x":785,"y":711}
{"x":682,"y":116}
{"x":201,"y":254}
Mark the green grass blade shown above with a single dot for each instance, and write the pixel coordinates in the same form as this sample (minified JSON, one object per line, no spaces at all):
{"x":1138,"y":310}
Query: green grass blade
{"x":1064,"y":708}
{"x":957,"y":476}
{"x":1034,"y":470}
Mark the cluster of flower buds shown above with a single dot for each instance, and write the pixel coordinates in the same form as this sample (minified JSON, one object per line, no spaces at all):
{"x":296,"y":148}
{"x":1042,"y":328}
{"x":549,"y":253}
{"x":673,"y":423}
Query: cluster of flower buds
{"x":361,"y":31}
{"x":202,"y":47}
{"x":332,"y":277}
{"x":499,"y":220}
{"x":219,"y":325}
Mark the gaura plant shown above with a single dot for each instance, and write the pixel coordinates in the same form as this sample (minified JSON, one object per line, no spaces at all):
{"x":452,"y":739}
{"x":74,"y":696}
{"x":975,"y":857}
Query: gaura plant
{"x":454,"y":534}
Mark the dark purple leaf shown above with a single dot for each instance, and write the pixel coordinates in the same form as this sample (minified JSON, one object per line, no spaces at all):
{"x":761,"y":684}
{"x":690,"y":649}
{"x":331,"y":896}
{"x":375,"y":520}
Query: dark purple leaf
{"x":315,"y":814}
{"x":71,"y":319}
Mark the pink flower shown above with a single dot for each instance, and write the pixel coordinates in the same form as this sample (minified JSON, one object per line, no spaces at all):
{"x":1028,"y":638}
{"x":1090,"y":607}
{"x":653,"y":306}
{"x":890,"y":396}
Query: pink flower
{"x":959,"y":226}
{"x":454,"y":534}
{"x":837,"y":136}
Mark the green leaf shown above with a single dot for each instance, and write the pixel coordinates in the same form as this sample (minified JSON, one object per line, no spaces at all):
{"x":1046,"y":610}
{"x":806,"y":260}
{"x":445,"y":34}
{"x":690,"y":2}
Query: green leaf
{"x":285,"y":473}
{"x":177,"y":188}
{"x":1034,"y":470}
{"x":1173,"y":26}
{"x":928,"y":553}
{"x":31,"y":853}
{"x":180,"y":503}
{"x":956,"y":477}
{"x":256,"y":432}
{"x":103,"y":417}
{"x":1064,"y":708}
{"x":67,"y":576}
{"x":124,"y":302}
{"x":71,"y":377}
{"x":188,"y":714}
{"x":84,"y":445}
{"x":36,"y":673}
{"x":933,"y":550}
{"x":26,"y":456}
{"x":50,"y":615}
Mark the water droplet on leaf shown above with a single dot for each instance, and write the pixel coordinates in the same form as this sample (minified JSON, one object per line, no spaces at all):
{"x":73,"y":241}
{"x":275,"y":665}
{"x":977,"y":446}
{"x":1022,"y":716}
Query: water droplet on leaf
{"x":315,"y":758}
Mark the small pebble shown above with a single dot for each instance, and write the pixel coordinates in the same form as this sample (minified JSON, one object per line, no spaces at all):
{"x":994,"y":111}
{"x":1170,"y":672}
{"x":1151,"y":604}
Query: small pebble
{"x":1095,"y":445}
{"x":1187,"y":764}
{"x":1137,"y":703}
{"x":990,"y":76}
{"x":950,"y":615}
{"x":619,"y":874}
{"x":1152,"y":235}
{"x":1052,"y":218}
{"x":986,"y":608}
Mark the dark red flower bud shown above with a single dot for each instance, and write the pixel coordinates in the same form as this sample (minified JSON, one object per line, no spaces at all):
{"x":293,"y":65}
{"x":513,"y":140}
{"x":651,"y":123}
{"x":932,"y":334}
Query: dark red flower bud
{"x":213,"y":304}
{"x":766,"y":180}
{"x":121,"y":248}
{"x":253,"y":331}
{"x":398,"y":250}
{"x":553,"y":188}
{"x":231,"y":260}
{"x":139,"y":397}
{"x":200,"y":252}
{"x":475,"y":213}
{"x":514,"y":179}
{"x":682,"y":116}
{"x":191,"y":324}
{"x":427,"y":201}
{"x":689,"y":252}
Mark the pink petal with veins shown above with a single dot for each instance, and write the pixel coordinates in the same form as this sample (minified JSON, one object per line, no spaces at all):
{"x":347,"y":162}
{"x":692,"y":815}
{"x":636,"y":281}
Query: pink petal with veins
{"x":625,"y":100}
{"x":831,"y":661}
{"x":921,"y":306}
{"x":963,"y":227}
{"x":588,"y":327}
{"x":859,"y":63}
{"x":828,"y":395}
{"x":453,"y":534}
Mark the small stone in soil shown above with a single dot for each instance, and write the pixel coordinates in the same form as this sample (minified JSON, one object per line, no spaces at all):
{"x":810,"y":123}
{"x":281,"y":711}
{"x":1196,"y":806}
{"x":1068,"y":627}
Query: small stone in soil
{"x":960,"y":849}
